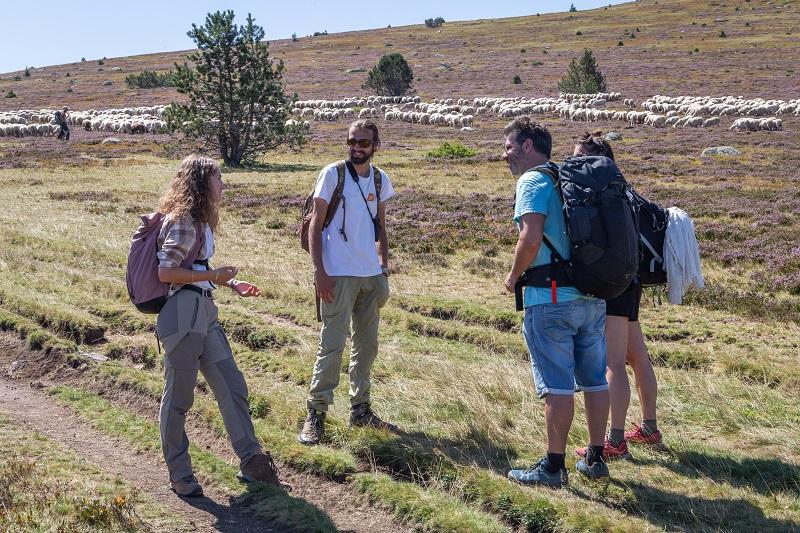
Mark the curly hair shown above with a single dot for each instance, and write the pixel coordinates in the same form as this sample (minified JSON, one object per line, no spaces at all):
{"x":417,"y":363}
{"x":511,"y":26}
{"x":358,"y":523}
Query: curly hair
{"x":190,"y":193}
{"x":595,"y":144}
{"x":525,"y":127}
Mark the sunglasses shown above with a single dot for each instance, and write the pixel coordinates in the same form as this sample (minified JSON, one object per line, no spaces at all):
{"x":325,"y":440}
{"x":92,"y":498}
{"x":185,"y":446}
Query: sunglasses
{"x":361,"y":143}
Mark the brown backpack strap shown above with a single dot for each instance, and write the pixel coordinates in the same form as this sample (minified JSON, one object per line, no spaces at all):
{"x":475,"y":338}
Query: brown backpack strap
{"x":336,"y":197}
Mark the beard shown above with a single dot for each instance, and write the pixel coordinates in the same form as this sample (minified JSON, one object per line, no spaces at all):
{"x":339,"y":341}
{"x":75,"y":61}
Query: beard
{"x":359,"y":158}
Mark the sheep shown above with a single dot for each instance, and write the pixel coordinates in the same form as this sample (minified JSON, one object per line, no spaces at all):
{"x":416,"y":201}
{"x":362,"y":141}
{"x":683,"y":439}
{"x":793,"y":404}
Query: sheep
{"x":713,"y":121}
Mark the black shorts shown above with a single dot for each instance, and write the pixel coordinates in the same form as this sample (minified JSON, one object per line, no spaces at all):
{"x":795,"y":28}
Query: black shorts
{"x":627,"y":303}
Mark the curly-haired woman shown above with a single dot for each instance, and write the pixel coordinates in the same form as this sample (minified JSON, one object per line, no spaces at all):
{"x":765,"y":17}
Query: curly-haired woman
{"x":188,"y":329}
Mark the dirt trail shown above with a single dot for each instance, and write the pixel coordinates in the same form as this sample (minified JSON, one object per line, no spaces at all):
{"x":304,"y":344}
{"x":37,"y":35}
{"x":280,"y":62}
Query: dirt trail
{"x":31,"y":408}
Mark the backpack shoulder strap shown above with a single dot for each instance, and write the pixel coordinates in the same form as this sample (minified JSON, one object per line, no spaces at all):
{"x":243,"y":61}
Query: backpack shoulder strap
{"x":336,"y":197}
{"x":378,"y":177}
{"x":199,"y":241}
{"x":549,"y":171}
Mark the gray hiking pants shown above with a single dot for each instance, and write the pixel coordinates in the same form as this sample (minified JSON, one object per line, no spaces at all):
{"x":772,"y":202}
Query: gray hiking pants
{"x":193,"y":340}
{"x":356,"y":301}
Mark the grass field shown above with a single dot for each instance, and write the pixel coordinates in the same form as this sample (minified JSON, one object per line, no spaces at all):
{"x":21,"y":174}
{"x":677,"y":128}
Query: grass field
{"x":45,"y":488}
{"x":452,"y":370}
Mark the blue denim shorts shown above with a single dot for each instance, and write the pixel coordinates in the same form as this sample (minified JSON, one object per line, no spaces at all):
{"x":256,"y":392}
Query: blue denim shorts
{"x":567,"y":344}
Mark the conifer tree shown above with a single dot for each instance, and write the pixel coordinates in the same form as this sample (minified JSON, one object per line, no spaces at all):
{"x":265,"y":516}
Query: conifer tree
{"x":583,"y":76}
{"x":237,"y":103}
{"x":392,"y":76}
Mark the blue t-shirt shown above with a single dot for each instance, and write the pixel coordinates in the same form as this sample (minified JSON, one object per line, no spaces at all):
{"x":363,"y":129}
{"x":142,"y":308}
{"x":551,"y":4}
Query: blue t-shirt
{"x":537,"y":194}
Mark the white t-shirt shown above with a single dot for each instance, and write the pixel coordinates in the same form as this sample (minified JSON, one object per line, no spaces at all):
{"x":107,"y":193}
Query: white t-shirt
{"x":358,"y":255}
{"x":206,"y":252}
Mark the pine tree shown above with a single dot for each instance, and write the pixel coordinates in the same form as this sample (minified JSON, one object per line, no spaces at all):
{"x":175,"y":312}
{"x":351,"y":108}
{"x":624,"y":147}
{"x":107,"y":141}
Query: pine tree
{"x":392,"y":76}
{"x":236,"y":97}
{"x":583,"y":76}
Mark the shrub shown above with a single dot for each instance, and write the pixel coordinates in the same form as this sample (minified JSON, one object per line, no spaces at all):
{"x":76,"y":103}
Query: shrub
{"x":572,"y":8}
{"x":17,"y":78}
{"x":434,"y":23}
{"x":101,"y":62}
{"x":27,"y":72}
{"x":392,"y":76}
{"x":68,"y":75}
{"x":583,"y":76}
{"x":294,"y":37}
{"x":320,"y":33}
{"x":452,"y":150}
{"x":11,"y":94}
{"x":722,"y":33}
{"x":83,"y":59}
{"x":620,"y":43}
{"x":517,"y":80}
{"x":522,"y":51}
{"x":149,"y":79}
{"x":579,"y":32}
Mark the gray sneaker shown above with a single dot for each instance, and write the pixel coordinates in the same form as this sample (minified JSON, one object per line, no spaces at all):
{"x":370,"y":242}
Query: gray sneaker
{"x":538,"y":474}
{"x":260,"y":467}
{"x":188,"y":487}
{"x":597,"y":470}
{"x":313,"y":428}
{"x":361,"y":415}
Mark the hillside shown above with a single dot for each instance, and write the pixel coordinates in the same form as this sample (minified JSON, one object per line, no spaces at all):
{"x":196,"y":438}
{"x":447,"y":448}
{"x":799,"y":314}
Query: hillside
{"x":452,"y":371}
{"x":480,"y":58}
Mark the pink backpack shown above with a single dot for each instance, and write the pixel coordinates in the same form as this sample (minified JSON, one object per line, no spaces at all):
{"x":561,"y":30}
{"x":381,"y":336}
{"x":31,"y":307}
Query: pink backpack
{"x":145,"y":290}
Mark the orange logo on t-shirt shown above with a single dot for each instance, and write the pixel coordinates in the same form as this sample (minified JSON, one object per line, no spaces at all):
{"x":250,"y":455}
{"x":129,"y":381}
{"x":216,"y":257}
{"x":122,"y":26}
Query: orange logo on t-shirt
{"x":370,"y":197}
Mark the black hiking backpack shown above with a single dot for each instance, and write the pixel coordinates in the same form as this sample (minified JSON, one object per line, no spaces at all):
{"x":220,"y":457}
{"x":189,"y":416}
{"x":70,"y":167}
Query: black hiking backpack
{"x":601,"y":226}
{"x":652,"y":220}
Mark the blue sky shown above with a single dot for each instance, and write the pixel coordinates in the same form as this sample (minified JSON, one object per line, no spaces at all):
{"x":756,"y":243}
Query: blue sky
{"x":49,"y":32}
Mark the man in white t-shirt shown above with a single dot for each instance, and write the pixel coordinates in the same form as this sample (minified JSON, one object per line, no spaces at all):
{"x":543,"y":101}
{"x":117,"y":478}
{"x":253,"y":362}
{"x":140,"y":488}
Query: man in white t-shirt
{"x":351,"y":269}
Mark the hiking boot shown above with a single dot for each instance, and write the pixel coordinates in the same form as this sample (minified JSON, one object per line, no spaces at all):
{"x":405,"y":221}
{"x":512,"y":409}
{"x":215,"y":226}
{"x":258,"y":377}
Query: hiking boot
{"x":313,"y":428}
{"x":597,"y":470}
{"x":538,"y":474}
{"x":638,"y":436}
{"x":188,"y":487}
{"x":361,"y":415}
{"x":261,"y":468}
{"x":610,"y":452}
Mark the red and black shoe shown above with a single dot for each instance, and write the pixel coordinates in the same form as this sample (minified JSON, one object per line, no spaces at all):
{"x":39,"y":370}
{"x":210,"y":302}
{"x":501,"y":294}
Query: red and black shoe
{"x":639,"y":437}
{"x":610,"y":452}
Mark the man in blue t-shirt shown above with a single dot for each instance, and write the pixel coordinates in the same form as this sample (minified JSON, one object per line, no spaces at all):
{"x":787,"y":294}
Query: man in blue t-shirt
{"x":563,"y":328}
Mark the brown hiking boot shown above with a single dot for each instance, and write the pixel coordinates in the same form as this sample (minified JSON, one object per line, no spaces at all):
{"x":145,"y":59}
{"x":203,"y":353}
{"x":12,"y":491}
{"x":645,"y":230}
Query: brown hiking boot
{"x":313,"y":428}
{"x":261,"y":468}
{"x":188,"y":487}
{"x":361,"y":415}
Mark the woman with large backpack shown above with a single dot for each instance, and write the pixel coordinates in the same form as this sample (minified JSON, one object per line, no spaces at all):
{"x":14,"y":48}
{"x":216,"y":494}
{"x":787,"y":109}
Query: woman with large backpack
{"x":188,"y":329}
{"x":624,"y":343}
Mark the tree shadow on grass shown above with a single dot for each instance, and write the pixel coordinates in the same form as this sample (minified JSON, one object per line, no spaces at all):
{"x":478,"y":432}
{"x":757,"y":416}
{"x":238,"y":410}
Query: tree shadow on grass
{"x":763,"y":475}
{"x":275,"y":168}
{"x":692,"y":513}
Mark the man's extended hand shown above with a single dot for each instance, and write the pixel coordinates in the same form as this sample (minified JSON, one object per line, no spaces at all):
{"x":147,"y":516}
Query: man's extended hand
{"x":245,"y":289}
{"x":511,"y":281}
{"x":324,"y":284}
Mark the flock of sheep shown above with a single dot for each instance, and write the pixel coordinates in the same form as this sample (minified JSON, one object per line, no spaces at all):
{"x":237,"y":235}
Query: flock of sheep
{"x":658,"y":112}
{"x":133,"y":120}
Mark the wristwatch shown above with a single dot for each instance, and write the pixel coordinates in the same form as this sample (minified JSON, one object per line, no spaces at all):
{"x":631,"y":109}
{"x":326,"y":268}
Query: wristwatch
{"x":385,"y":271}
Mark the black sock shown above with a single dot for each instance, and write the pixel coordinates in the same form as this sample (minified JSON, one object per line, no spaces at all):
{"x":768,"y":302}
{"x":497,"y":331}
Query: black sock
{"x":649,"y":426}
{"x":616,"y":436}
{"x":594,"y":454}
{"x":555,"y":462}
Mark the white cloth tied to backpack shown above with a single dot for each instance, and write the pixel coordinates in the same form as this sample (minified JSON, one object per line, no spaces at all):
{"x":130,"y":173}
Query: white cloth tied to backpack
{"x":681,"y":255}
